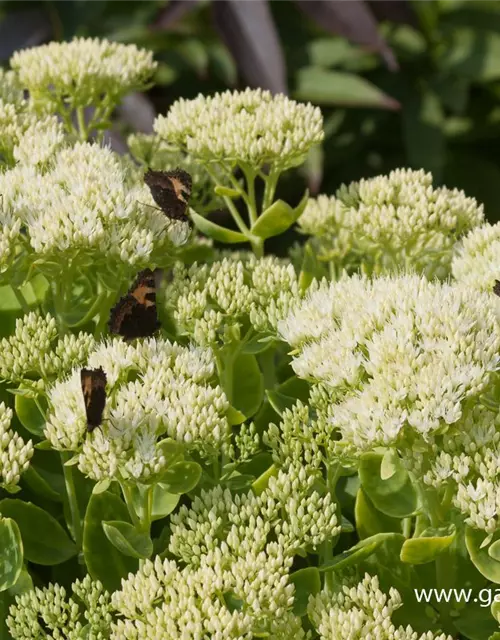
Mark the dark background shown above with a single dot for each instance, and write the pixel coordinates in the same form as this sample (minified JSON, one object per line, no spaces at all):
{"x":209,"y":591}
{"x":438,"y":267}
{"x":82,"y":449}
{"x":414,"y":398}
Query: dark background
{"x":400,"y":83}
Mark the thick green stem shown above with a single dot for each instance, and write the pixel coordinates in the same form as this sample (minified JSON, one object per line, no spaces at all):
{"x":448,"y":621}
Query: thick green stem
{"x":270,"y":188}
{"x":332,"y":475}
{"x":130,"y":504}
{"x":21,"y":299}
{"x":76,"y":523}
{"x":236,"y":217}
{"x":82,"y":127}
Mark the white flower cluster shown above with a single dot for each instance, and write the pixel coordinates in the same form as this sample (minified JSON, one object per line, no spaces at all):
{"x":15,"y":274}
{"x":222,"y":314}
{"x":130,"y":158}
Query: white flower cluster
{"x":155,"y":390}
{"x":477,"y":260}
{"x":17,"y":118}
{"x":250,"y":127}
{"x":15,"y":454}
{"x":354,"y":612}
{"x":397,"y":359}
{"x":82,"y":72}
{"x":84,"y":200}
{"x":391,"y":222}
{"x":34,"y":349}
{"x":237,"y":553}
{"x":288,"y":510}
{"x":155,"y":153}
{"x":41,"y":612}
{"x":206,"y":299}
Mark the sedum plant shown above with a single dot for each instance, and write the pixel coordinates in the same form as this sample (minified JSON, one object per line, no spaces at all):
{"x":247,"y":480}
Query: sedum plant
{"x":203,"y":443}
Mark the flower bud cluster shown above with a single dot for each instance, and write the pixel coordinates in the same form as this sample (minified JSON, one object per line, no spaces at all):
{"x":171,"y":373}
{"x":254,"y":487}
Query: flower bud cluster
{"x":391,"y":222}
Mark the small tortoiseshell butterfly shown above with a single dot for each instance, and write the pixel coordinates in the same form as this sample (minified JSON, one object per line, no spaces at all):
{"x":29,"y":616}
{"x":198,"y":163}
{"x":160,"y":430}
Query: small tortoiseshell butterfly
{"x":171,"y":191}
{"x":94,"y":395}
{"x":134,"y":315}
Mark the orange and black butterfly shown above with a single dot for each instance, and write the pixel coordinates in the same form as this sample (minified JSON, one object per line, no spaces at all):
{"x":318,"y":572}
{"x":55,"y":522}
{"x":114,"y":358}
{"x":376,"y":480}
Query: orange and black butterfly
{"x":94,"y":395}
{"x":135,"y":315}
{"x":171,"y":191}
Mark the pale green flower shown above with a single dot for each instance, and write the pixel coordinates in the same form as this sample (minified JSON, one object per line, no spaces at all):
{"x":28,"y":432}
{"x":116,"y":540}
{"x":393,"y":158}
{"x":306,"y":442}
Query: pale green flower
{"x":206,"y":301}
{"x":477,"y":258}
{"x":356,"y":611}
{"x":155,"y":390}
{"x":39,"y":612}
{"x":399,"y":359}
{"x":15,"y":454}
{"x":83,"y":208}
{"x":36,"y":350}
{"x":82,"y":72}
{"x":390,"y":222}
{"x":250,"y":127}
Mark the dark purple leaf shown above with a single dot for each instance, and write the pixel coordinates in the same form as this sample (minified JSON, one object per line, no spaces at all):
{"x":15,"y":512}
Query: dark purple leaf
{"x":248,"y":30}
{"x":23,"y":29}
{"x":398,"y":11}
{"x":173,"y":12}
{"x":353,"y":20}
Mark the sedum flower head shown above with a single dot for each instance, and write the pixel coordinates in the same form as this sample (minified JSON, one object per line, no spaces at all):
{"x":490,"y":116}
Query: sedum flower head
{"x":389,"y":222}
{"x":10,"y":88}
{"x":250,"y":127}
{"x":82,"y":72}
{"x":206,"y":300}
{"x":396,"y":358}
{"x":84,"y":201}
{"x":15,"y":454}
{"x":35,"y":350}
{"x":356,"y":611}
{"x":236,"y":552}
{"x":50,"y":610}
{"x":477,"y":259}
{"x":155,"y":390}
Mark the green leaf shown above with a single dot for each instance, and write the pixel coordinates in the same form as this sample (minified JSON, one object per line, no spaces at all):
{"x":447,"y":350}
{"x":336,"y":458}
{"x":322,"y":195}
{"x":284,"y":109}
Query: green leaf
{"x":310,"y":268}
{"x":476,"y":621}
{"x":389,"y":464}
{"x":396,"y":497}
{"x":29,"y":414}
{"x":294,"y":387}
{"x":234,"y":416}
{"x":359,"y":552}
{"x":44,"y":540}
{"x":101,"y":486}
{"x":278,"y":218}
{"x":307,"y":582}
{"x":370,"y":521}
{"x":127,"y":539}
{"x":423,"y":128}
{"x":471,"y":54}
{"x":247,"y":390}
{"x":182,"y":477}
{"x":104,"y":562}
{"x":212,"y":230}
{"x":428,"y":546}
{"x":488,"y":566}
{"x":39,"y":485}
{"x":256,"y":345}
{"x":339,"y":88}
{"x":164,"y":502}
{"x":263,"y":480}
{"x":11,"y":557}
{"x":280,"y":402}
{"x":227,"y":192}
{"x":172,"y":451}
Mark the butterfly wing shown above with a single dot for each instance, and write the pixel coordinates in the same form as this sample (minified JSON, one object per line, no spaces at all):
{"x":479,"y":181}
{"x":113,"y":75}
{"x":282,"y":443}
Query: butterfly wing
{"x":94,"y":395}
{"x":171,"y":191}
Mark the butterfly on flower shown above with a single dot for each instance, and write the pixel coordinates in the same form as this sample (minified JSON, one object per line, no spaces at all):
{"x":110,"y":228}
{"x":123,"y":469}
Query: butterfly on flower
{"x":94,"y":395}
{"x":135,"y":314}
{"x":171,"y":191}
